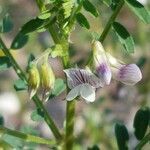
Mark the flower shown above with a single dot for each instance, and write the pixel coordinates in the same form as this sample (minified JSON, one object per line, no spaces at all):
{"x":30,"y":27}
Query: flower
{"x":82,"y":82}
{"x":128,"y":74}
{"x":107,"y":66}
{"x":101,"y":63}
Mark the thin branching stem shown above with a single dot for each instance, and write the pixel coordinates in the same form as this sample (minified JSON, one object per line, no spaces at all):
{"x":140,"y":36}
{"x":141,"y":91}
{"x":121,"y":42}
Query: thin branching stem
{"x":26,"y":137}
{"x":35,"y":98}
{"x":70,"y":113}
{"x":111,"y":20}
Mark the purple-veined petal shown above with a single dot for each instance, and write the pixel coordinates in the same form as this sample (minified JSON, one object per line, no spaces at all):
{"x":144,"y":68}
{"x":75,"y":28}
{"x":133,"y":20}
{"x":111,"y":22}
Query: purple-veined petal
{"x":127,"y":74}
{"x":76,"y":77}
{"x":72,"y":79}
{"x":87,"y":92}
{"x":73,"y":93}
{"x":104,"y":73}
{"x":101,"y":63}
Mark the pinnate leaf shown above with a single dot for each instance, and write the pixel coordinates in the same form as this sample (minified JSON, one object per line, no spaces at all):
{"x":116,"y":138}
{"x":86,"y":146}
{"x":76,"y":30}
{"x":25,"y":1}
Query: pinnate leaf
{"x":122,"y":136}
{"x":4,"y":63}
{"x":139,"y":10}
{"x":124,"y":37}
{"x":88,"y":6}
{"x":19,"y":41}
{"x":141,"y":122}
{"x":33,"y":25}
{"x":6,"y":24}
{"x":81,"y":19}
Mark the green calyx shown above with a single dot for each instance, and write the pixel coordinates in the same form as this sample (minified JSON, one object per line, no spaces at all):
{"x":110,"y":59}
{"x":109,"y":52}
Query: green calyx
{"x":33,"y":80}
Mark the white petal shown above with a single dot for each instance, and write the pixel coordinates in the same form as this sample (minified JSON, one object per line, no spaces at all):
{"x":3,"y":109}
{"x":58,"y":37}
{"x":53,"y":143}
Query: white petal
{"x":128,"y":74}
{"x":88,"y":92}
{"x":76,"y":77}
{"x":73,"y":93}
{"x":101,"y":63}
{"x":69,"y":80}
{"x":91,"y":79}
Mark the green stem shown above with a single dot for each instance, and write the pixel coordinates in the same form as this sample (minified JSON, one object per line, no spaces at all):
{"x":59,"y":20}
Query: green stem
{"x":111,"y":20}
{"x":54,"y":34}
{"x":15,"y":65}
{"x":70,"y":113}
{"x":40,"y":5}
{"x":36,"y":100}
{"x":48,"y":118}
{"x":26,"y":137}
{"x":143,"y":142}
{"x":70,"y":108}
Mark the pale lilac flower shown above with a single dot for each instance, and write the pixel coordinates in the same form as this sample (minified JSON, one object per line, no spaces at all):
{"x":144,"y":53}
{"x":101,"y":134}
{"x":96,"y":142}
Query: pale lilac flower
{"x":102,"y":66}
{"x":128,"y":74}
{"x":82,"y":82}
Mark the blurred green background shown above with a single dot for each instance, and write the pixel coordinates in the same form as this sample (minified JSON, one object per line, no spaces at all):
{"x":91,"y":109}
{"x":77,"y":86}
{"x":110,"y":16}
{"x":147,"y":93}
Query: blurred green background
{"x":94,"y":122}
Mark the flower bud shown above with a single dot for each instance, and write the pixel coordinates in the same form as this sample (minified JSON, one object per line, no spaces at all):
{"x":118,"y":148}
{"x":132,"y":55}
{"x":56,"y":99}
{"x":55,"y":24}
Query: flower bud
{"x":47,"y":79}
{"x":101,"y":63}
{"x":33,"y":80}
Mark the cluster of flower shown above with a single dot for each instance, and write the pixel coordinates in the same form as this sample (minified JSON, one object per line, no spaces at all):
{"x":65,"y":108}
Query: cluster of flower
{"x":83,"y":82}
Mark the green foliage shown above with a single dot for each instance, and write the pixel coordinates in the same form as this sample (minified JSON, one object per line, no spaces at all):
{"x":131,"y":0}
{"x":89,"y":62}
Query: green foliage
{"x":139,"y":10}
{"x":33,"y":25}
{"x":44,"y":15}
{"x":124,"y":37}
{"x":37,"y":115}
{"x":1,"y":120}
{"x":81,"y":19}
{"x":20,"y":85}
{"x":141,"y":122}
{"x":59,"y":87}
{"x":88,"y":6}
{"x":19,"y":41}
{"x":4,"y":63}
{"x":122,"y":136}
{"x":6,"y":24}
{"x":60,"y":16}
{"x":67,"y":7}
